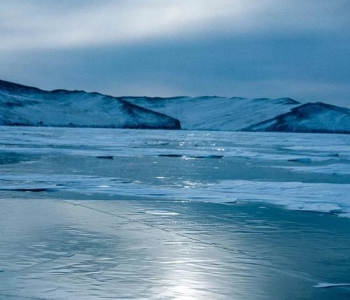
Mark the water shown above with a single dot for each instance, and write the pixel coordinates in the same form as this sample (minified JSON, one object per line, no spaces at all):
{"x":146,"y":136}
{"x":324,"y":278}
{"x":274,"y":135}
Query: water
{"x":120,"y":214}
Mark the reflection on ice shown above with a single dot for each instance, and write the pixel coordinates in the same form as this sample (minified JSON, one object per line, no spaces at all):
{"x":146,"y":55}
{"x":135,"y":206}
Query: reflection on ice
{"x":107,"y":263}
{"x":108,"y":249}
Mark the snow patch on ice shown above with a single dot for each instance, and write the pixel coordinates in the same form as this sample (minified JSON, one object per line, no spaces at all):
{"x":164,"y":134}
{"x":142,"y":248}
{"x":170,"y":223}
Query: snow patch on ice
{"x":161,"y":213}
{"x":341,"y":169}
{"x":315,"y":197}
{"x":326,"y":285}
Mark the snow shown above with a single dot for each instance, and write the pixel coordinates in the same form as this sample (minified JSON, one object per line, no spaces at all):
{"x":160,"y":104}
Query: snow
{"x":220,"y":113}
{"x":217,"y":113}
{"x":326,"y":285}
{"x":316,"y":197}
{"x":310,"y":117}
{"x":27,"y":106}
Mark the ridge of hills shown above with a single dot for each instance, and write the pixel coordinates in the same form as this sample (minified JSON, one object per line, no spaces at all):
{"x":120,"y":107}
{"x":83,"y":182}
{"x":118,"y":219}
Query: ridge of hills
{"x":22,"y":105}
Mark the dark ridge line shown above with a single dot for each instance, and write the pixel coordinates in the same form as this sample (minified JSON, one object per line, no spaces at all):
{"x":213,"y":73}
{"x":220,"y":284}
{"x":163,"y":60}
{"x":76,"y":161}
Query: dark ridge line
{"x":16,"y":86}
{"x":295,"y":110}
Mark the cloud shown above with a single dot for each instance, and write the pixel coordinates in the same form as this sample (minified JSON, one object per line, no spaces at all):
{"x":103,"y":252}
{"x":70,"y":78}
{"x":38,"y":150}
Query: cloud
{"x":31,"y":25}
{"x":83,"y":23}
{"x":252,"y":48}
{"x":248,"y":67}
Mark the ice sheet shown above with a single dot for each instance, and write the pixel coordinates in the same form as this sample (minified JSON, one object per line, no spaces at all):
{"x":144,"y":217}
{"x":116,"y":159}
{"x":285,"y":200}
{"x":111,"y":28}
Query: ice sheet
{"x":98,"y":214}
{"x":299,"y":171}
{"x":321,"y":197}
{"x":139,"y":249}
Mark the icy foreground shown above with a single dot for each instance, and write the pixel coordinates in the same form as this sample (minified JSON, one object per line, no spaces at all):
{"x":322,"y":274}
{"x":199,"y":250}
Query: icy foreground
{"x":27,"y":106}
{"x":298,"y":171}
{"x":88,"y":213}
{"x":92,"y":250}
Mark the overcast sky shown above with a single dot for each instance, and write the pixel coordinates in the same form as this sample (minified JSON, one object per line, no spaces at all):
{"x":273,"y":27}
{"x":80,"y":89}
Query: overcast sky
{"x":249,"y":48}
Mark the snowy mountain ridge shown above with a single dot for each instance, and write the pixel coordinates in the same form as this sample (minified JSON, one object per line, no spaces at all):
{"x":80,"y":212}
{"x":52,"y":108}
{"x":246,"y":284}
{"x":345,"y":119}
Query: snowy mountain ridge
{"x":27,"y":106}
{"x":217,"y":113}
{"x":30,"y":106}
{"x":310,"y":117}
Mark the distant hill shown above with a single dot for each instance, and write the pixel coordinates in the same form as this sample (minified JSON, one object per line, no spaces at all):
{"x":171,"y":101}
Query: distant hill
{"x":217,"y":113}
{"x":30,"y":106}
{"x":243,"y":114}
{"x":310,"y":117}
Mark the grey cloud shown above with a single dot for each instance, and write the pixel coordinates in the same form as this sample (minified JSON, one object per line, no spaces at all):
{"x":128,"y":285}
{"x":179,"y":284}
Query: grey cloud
{"x":67,"y":24}
{"x":262,"y":49}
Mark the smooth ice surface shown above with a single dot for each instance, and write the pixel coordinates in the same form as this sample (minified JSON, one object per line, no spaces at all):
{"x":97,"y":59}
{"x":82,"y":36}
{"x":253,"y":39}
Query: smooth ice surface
{"x":140,"y":214}
{"x":147,"y":249}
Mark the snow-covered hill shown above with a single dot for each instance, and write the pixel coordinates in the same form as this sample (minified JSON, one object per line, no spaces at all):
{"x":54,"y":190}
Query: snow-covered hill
{"x":28,"y":106}
{"x":310,"y":117}
{"x":217,"y":113}
{"x":242,"y":114}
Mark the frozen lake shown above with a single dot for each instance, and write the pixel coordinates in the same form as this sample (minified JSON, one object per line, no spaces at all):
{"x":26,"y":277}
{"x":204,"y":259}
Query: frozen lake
{"x":140,"y":214}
